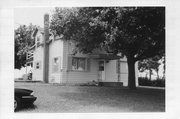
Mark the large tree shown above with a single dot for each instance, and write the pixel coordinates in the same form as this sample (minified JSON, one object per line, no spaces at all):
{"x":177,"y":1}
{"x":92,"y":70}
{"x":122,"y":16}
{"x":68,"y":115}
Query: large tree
{"x":136,"y":32}
{"x":22,"y":40}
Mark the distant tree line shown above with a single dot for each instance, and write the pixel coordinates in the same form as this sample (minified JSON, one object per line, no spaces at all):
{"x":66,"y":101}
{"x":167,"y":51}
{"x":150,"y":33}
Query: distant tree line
{"x":152,"y":64}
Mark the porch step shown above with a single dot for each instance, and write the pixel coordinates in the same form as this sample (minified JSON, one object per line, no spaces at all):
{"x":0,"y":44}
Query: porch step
{"x":111,"y":84}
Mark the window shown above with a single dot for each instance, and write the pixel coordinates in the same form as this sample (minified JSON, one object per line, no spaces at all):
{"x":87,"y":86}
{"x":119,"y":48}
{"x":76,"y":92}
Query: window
{"x":37,"y":66}
{"x":56,"y":64}
{"x":79,"y":64}
{"x":38,"y":41}
{"x":101,"y":65}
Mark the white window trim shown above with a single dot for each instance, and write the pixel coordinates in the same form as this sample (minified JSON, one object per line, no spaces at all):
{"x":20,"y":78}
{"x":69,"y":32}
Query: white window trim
{"x":86,"y":59}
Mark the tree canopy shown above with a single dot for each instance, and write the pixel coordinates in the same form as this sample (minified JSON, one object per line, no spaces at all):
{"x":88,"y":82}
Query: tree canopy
{"x":136,"y":32}
{"x":23,"y":40}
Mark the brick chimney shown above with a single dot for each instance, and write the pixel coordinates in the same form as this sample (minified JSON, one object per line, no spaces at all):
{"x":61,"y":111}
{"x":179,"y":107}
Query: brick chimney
{"x":46,"y":49}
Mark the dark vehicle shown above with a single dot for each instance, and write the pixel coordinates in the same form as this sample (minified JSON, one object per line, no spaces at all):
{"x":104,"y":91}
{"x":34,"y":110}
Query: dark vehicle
{"x":23,"y":97}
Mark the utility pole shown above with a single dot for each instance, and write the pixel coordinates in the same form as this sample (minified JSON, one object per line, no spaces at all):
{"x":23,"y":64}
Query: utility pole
{"x":46,"y":49}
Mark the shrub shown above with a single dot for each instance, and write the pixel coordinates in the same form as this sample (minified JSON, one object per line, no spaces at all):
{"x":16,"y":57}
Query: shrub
{"x":146,"y":82}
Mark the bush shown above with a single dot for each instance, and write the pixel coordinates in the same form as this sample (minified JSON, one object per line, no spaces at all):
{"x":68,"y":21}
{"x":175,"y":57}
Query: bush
{"x":146,"y":82}
{"x":159,"y":83}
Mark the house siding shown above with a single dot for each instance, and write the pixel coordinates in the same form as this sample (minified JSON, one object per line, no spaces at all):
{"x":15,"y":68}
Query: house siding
{"x":110,"y":71}
{"x":111,"y":74}
{"x":64,"y":50}
{"x":84,"y":76}
{"x":65,"y":61}
{"x":55,"y":50}
{"x":70,"y":76}
{"x":38,"y":57}
{"x":124,"y":72}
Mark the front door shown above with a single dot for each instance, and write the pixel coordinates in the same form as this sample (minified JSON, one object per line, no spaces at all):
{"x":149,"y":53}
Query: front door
{"x":102,"y":70}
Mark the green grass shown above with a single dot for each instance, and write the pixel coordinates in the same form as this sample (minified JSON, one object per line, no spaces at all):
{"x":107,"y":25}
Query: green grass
{"x":54,"y":98}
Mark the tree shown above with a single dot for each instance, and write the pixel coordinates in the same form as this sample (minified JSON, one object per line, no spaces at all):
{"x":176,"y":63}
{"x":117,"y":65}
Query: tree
{"x":22,"y":37}
{"x":150,"y":64}
{"x":136,"y":32}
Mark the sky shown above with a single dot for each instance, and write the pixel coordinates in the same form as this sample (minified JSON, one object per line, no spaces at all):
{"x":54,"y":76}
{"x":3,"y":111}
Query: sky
{"x":27,"y":15}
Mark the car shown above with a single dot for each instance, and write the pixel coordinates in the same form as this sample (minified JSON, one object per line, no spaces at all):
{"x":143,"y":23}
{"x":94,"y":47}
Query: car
{"x":23,"y":97}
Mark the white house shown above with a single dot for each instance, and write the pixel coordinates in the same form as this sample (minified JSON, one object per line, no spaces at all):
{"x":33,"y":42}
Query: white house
{"x":66,"y":67}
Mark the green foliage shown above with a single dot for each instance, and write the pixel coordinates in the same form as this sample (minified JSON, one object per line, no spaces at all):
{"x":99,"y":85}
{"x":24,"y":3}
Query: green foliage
{"x":22,"y":37}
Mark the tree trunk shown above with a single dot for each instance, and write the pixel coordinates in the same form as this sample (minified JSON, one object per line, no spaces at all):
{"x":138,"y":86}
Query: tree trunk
{"x":131,"y":73}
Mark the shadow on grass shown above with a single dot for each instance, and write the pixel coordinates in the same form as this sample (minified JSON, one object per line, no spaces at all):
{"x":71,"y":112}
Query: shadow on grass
{"x":114,"y":99}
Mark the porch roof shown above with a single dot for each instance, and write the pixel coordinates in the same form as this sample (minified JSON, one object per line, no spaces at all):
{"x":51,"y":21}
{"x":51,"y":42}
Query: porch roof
{"x":108,"y":56}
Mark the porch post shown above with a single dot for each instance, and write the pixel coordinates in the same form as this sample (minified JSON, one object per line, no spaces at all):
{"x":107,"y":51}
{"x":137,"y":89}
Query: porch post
{"x":119,"y":69}
{"x":46,"y":49}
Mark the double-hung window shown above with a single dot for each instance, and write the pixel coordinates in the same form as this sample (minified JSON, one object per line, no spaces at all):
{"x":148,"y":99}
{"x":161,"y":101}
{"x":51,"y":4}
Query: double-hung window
{"x":79,"y":64}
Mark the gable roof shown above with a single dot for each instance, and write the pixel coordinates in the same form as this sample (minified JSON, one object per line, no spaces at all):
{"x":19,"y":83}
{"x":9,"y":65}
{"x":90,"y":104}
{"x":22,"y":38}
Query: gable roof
{"x":36,"y":30}
{"x":41,"y":30}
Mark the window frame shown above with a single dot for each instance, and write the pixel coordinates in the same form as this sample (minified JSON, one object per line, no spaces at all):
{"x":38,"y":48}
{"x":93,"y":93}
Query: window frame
{"x":38,"y":41}
{"x":39,"y":65}
{"x":77,"y":64}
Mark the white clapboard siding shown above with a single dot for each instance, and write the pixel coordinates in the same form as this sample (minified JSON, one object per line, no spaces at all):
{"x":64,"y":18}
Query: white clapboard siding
{"x":70,"y":76}
{"x":110,"y":71}
{"x":123,"y":67}
{"x":124,"y":79}
{"x":84,"y":76}
{"x":38,"y":57}
{"x":124,"y":72}
{"x":55,"y":50}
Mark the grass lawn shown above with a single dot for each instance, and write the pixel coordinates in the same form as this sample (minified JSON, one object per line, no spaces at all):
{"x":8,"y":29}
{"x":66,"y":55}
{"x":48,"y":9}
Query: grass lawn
{"x":55,"y":98}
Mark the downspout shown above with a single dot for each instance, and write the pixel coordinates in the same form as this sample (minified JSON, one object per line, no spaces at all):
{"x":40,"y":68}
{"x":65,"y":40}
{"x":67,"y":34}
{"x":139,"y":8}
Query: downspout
{"x":46,"y":49}
{"x":119,"y":69}
{"x":67,"y":55}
